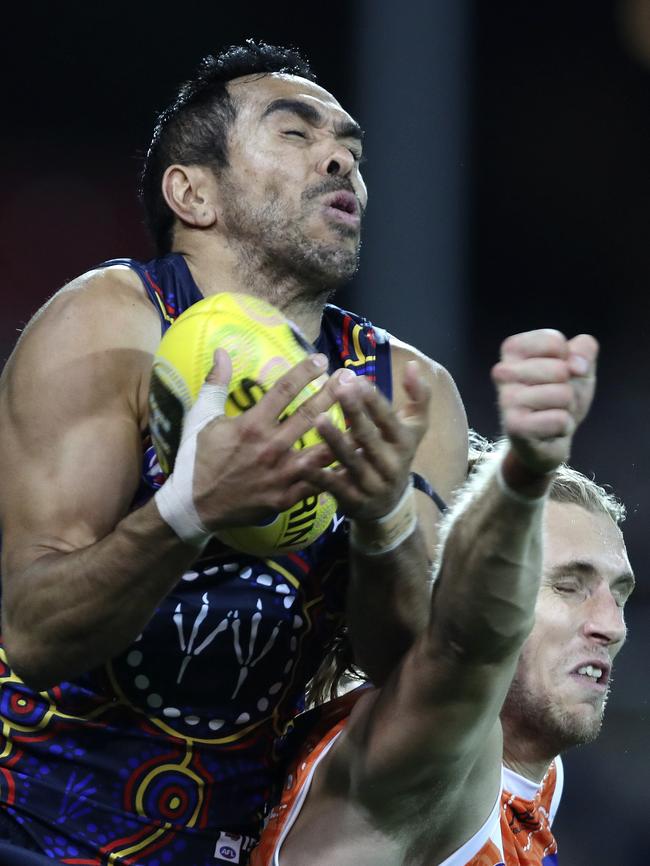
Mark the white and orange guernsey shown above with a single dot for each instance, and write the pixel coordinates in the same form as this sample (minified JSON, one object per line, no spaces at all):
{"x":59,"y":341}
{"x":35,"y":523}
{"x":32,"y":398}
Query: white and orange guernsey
{"x":517,"y":832}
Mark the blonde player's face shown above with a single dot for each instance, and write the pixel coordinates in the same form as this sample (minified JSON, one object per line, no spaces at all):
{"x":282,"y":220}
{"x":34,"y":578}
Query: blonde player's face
{"x":293,"y":183}
{"x":563,"y":678}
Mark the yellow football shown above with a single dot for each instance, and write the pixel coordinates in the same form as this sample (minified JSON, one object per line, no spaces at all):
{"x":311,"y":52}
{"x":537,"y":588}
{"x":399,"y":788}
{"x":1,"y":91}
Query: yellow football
{"x":262,"y":345}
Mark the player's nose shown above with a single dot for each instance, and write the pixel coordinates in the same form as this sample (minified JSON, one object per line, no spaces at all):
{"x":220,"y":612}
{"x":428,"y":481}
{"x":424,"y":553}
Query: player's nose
{"x":604,"y":620}
{"x":337,"y":160}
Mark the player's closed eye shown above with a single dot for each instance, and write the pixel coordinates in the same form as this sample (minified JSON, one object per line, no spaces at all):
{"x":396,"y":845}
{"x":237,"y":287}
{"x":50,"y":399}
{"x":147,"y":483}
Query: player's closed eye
{"x":567,"y":587}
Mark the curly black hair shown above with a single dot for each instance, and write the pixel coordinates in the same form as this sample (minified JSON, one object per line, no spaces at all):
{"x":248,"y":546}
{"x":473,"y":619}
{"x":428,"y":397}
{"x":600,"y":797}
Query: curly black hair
{"x":193,"y":129}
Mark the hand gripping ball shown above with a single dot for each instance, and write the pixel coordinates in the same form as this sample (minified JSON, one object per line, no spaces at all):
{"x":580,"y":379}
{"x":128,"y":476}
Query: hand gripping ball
{"x":262,"y":345}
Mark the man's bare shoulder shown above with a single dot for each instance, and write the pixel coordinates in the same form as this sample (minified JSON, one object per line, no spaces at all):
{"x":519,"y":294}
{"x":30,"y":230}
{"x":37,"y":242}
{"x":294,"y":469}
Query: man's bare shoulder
{"x":76,"y":383}
{"x":438,"y":376}
{"x":110,"y":303}
{"x":98,"y":332}
{"x":442,"y":455}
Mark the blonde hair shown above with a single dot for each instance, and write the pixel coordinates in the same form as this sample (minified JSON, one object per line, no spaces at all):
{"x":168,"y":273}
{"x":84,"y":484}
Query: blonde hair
{"x":568,"y":486}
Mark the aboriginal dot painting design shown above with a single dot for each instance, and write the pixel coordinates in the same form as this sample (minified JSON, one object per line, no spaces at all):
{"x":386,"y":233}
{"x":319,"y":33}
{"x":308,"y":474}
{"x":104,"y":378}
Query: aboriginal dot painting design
{"x":169,"y":753}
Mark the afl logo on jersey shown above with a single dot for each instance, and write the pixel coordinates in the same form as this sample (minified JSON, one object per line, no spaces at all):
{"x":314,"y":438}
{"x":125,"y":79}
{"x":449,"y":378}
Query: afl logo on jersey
{"x":229,"y":847}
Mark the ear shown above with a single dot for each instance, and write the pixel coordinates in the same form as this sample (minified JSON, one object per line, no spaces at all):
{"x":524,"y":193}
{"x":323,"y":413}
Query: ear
{"x":189,"y":191}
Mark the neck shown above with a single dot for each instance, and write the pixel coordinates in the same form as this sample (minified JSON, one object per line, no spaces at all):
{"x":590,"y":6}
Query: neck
{"x":226,"y":268}
{"x":529,"y":759}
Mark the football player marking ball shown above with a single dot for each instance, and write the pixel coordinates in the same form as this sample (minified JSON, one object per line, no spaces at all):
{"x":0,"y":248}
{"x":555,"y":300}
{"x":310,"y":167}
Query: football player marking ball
{"x":262,"y":345}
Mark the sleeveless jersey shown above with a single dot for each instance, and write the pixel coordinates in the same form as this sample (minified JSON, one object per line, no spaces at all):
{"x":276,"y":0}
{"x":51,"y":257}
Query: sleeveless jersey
{"x":517,"y":833}
{"x":168,"y":753}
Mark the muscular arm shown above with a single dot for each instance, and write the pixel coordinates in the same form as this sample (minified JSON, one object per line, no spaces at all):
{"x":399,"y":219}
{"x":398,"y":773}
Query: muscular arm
{"x":424,"y":752}
{"x":435,"y":723}
{"x":82,"y":576}
{"x":388,"y":595}
{"x":74,"y":579}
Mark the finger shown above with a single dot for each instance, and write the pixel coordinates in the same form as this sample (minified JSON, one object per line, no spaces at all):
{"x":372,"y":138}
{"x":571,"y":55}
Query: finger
{"x":348,"y":455}
{"x":531,"y":371}
{"x":371,"y":419}
{"x":418,"y":390}
{"x":211,"y":400}
{"x":338,"y":483}
{"x":221,"y":370}
{"x":296,"y":468}
{"x":414,"y":382}
{"x":300,"y":463}
{"x":536,"y":397}
{"x":288,"y":386}
{"x":296,"y":492}
{"x":361,"y":428}
{"x":583,"y":352}
{"x":369,"y":406}
{"x":384,"y":456}
{"x":339,"y":442}
{"x":542,"y":343}
{"x":303,"y":417}
{"x":547,"y":424}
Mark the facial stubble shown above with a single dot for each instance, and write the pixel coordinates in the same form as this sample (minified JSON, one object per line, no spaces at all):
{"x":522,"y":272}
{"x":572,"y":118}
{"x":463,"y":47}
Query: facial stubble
{"x":273,"y":243}
{"x":549,"y":724}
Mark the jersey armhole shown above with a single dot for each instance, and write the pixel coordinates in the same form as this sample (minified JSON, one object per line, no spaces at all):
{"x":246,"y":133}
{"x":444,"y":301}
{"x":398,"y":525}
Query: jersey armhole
{"x":489,"y":832}
{"x":299,"y":802}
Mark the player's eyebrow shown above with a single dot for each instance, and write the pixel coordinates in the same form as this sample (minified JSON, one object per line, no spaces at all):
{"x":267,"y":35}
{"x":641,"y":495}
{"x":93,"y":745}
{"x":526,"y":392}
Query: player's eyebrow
{"x":585,"y":569}
{"x":310,"y":114}
{"x":578,"y":567}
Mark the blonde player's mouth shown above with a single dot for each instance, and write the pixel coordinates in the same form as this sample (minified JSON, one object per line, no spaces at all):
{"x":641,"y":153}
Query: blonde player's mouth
{"x":593,"y":674}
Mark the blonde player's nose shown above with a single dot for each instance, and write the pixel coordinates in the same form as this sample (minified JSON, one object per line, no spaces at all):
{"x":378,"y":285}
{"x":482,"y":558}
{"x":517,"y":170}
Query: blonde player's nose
{"x":604,"y":621}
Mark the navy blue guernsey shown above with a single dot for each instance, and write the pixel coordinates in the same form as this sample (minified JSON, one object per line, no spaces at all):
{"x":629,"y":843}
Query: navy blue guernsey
{"x":169,"y":752}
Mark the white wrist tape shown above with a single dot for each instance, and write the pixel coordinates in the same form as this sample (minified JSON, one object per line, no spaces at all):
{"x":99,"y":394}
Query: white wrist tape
{"x":387,"y":532}
{"x":175,"y":499}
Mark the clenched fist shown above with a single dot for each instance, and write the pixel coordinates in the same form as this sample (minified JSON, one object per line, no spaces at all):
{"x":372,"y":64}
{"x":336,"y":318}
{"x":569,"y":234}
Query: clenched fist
{"x":545,"y":385}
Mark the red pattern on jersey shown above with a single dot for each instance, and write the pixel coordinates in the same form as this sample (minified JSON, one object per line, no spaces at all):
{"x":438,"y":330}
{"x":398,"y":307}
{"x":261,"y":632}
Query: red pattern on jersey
{"x":525,"y":829}
{"x":525,"y":824}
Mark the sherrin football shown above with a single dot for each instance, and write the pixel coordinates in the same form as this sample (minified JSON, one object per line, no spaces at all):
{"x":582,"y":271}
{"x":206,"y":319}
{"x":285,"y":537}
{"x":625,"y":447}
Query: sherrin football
{"x":262,"y":345}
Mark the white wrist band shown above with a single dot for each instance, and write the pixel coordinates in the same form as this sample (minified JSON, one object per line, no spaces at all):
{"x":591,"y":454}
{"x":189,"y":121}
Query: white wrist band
{"x":175,"y":499}
{"x":388,"y":532}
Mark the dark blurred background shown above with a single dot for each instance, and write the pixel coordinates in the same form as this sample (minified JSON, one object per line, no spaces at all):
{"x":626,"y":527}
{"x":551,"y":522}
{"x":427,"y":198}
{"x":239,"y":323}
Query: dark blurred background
{"x":507,"y":148}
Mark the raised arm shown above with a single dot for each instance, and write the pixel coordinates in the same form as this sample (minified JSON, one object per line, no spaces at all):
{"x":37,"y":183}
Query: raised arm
{"x":81,"y":574}
{"x":394,"y":528}
{"x":427,"y":747}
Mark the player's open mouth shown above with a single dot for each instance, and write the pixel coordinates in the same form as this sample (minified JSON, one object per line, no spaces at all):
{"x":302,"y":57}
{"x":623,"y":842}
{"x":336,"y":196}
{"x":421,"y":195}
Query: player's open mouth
{"x":343,"y":207}
{"x":596,"y":673}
